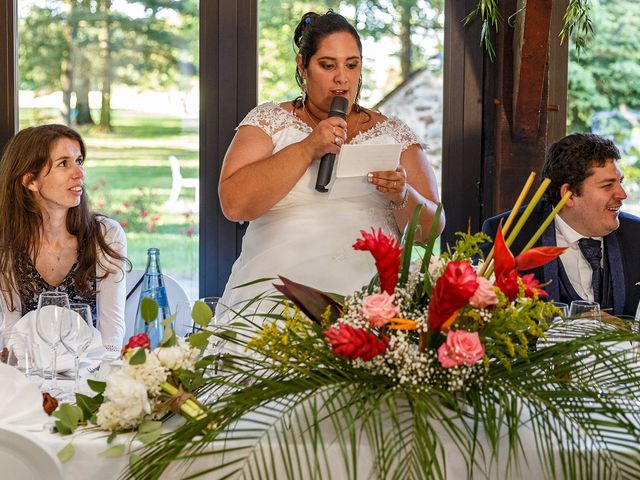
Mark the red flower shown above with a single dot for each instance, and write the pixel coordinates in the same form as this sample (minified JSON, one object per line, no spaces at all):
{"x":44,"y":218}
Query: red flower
{"x":452,"y":291}
{"x":508,"y":283}
{"x":536,"y":257}
{"x":140,"y":340}
{"x":506,"y":267}
{"x":386,"y":251}
{"x":355,"y":342}
{"x":532,"y":287}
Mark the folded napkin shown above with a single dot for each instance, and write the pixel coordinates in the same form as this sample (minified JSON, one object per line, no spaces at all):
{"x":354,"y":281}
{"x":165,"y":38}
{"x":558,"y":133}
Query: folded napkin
{"x":26,"y":326}
{"x":20,"y":400}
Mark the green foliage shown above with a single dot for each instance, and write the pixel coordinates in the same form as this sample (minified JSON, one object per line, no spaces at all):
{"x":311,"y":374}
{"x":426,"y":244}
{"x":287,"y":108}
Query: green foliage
{"x":88,"y":405}
{"x":288,"y":408}
{"x":201,"y":313}
{"x":69,"y":417}
{"x":489,"y":14}
{"x":200,"y":339}
{"x":100,"y":44}
{"x":148,"y":309}
{"x":136,"y":212}
{"x":577,"y":22}
{"x":67,"y":452}
{"x":605,"y":75}
{"x":405,"y":22}
{"x":139,"y":357}
{"x":468,"y":245}
{"x":114,"y":451}
{"x":96,"y":386}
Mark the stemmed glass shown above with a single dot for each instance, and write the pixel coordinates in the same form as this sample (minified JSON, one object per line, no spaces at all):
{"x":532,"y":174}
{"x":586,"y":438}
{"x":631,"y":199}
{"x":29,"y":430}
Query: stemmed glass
{"x":215,"y":342}
{"x":585,"y":310}
{"x":184,"y":324}
{"x":51,"y":310}
{"x":76,"y":333}
{"x":563,"y":308}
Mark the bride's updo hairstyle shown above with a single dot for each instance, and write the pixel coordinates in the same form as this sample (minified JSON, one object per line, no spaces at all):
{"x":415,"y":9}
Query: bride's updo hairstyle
{"x":308,"y":35}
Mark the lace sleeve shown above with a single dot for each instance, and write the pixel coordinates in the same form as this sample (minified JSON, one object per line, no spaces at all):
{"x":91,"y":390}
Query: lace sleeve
{"x":268,"y":117}
{"x":403,"y":134}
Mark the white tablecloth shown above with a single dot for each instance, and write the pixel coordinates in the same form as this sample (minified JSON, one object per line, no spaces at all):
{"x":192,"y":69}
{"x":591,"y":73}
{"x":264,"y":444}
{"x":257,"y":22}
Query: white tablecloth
{"x":88,"y":463}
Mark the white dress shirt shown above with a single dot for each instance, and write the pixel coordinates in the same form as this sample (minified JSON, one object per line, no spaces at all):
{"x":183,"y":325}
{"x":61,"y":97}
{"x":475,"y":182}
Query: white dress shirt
{"x":575,"y":265}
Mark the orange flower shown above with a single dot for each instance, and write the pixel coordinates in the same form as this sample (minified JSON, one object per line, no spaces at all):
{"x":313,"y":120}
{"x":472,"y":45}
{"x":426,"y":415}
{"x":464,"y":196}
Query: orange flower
{"x":402,"y":324}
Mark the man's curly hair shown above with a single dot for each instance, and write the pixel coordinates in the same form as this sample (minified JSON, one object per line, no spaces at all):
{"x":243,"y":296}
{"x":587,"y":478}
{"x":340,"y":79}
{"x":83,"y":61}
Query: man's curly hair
{"x":571,"y":160}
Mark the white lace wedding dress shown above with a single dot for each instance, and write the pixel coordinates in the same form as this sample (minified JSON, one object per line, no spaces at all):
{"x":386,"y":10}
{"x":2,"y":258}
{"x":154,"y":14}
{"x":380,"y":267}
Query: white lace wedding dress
{"x":307,"y":237}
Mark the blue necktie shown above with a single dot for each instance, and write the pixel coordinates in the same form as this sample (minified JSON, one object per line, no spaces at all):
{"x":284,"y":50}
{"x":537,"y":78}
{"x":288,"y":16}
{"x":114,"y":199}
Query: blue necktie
{"x":592,"y":251}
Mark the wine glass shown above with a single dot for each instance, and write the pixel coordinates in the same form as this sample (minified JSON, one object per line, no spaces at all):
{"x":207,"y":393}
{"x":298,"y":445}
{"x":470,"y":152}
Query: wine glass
{"x":563,"y":308}
{"x":584,"y":309}
{"x":215,"y":343}
{"x":184,"y":324}
{"x":51,"y":308}
{"x":18,"y":352}
{"x":76,"y":333}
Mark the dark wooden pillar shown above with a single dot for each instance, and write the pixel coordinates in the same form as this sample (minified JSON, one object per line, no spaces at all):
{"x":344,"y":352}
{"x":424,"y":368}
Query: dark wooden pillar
{"x":228,"y":90}
{"x":463,"y":135}
{"x":530,"y":95}
{"x":8,"y":71}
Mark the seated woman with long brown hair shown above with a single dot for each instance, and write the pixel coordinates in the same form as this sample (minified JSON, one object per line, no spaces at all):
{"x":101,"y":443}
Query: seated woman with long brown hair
{"x":50,"y":240}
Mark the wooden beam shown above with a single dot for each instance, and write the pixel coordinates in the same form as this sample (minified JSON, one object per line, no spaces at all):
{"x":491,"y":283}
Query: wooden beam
{"x":558,"y":73}
{"x":8,"y":71}
{"x":463,"y":107}
{"x":531,"y":47}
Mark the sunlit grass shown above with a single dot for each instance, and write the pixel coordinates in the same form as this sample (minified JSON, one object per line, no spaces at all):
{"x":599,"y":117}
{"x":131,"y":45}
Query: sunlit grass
{"x":132,"y":163}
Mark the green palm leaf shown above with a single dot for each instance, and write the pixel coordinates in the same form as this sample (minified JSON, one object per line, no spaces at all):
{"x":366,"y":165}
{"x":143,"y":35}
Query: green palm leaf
{"x":321,"y":417}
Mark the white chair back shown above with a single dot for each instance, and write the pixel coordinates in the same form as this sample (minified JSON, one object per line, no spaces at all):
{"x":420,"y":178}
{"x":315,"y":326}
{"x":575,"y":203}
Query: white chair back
{"x":175,"y":294}
{"x":23,"y":458}
{"x":178,"y":182}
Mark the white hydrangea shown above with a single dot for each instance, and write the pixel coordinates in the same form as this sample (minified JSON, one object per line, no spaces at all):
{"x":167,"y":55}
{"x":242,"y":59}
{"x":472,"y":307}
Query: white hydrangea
{"x":127,"y":403}
{"x":150,"y":374}
{"x":179,"y":357}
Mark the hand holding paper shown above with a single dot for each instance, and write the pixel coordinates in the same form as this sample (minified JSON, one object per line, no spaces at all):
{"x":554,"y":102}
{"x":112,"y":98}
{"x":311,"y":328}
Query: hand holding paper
{"x":356,"y":161}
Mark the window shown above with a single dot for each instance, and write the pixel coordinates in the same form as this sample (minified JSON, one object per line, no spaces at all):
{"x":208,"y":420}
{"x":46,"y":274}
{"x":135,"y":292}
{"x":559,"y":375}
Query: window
{"x":402,"y":66}
{"x":125,"y":75}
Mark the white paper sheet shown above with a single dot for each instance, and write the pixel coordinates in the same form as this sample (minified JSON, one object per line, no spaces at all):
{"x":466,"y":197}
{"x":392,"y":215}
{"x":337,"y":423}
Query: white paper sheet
{"x":354,"y":163}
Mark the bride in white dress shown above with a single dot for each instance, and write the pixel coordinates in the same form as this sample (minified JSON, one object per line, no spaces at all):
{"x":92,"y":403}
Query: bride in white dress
{"x":270,"y":170}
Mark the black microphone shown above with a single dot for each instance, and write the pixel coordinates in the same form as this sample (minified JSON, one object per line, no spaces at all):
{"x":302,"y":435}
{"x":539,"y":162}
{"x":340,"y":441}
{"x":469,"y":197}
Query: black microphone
{"x":338,"y":108}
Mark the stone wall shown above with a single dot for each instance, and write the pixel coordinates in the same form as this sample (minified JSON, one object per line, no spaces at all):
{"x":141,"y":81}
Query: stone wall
{"x":418,"y":102}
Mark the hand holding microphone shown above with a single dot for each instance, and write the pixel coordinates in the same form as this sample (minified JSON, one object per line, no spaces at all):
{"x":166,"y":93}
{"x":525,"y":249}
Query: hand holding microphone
{"x":339,"y":106}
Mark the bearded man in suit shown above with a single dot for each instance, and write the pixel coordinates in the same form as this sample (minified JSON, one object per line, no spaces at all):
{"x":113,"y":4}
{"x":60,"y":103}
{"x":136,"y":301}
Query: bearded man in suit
{"x":602,"y":261}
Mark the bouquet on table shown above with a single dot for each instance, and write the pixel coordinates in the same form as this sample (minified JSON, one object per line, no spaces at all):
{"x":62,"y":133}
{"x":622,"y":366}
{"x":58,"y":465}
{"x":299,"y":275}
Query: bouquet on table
{"x":149,"y":385}
{"x":436,"y":353}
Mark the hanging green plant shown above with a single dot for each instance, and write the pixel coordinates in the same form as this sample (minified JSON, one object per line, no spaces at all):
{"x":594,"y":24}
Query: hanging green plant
{"x":577,"y":23}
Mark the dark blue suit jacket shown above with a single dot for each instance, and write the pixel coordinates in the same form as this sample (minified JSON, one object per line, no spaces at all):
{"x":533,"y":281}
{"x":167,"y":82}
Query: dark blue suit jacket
{"x":622,"y":247}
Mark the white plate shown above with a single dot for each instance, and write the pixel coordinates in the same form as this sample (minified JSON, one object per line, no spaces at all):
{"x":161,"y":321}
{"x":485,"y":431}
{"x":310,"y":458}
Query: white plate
{"x":22,"y":458}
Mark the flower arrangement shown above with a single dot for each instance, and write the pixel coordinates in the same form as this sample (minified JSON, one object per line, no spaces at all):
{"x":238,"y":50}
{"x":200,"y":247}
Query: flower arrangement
{"x":149,"y":385}
{"x":435,"y":359}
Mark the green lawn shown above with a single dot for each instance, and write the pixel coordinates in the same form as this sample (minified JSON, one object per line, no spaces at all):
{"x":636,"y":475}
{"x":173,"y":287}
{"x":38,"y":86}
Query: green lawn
{"x":128,"y":178}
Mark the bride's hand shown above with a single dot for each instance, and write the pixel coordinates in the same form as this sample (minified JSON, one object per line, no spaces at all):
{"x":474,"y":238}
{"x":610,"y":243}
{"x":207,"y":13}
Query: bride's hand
{"x":327,"y":137}
{"x":393,"y":183}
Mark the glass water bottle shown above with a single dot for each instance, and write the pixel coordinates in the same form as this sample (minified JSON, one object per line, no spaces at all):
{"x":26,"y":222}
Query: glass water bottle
{"x":153,"y":288}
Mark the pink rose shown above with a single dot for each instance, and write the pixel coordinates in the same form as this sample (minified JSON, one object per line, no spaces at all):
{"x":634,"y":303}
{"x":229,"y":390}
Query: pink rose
{"x":461,"y":347}
{"x":379,"y":308}
{"x":485,"y":295}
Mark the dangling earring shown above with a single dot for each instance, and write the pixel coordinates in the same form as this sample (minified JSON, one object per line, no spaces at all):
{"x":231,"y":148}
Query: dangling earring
{"x":355,"y":100}
{"x":303,"y":88}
